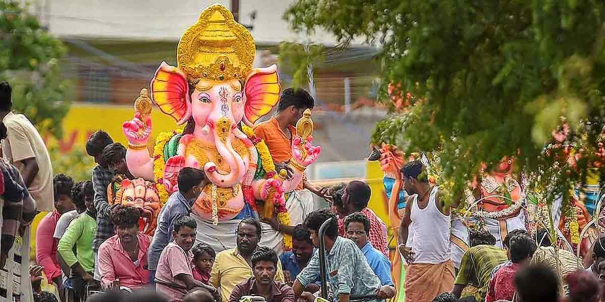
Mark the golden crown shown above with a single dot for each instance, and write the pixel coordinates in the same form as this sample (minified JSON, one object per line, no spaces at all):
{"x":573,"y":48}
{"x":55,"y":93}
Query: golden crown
{"x":216,"y":47}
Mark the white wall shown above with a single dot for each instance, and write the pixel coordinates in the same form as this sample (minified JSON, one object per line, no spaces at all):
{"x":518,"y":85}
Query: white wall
{"x":160,"y":19}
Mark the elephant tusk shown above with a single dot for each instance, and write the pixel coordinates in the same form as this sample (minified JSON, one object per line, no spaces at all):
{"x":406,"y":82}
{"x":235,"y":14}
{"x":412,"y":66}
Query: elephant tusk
{"x":206,"y":130}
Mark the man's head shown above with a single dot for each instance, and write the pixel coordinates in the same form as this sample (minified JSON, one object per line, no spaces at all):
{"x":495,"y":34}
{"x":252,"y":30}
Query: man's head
{"x":6,"y":91}
{"x":583,"y":287}
{"x":528,"y":290}
{"x":264,"y":265}
{"x":292,"y":104}
{"x":543,"y":238}
{"x":248,"y":235}
{"x":410,"y":172}
{"x":445,"y":297}
{"x":83,"y":196}
{"x":481,"y":237}
{"x":126,"y":222}
{"x":598,"y":252}
{"x":356,"y":196}
{"x":511,"y":234}
{"x":522,"y":249}
{"x":89,"y":197}
{"x":62,"y":188}
{"x":302,"y":246}
{"x":191,"y":182}
{"x":314,"y":221}
{"x":357,"y":228}
{"x":184,"y":232}
{"x":96,"y":143}
{"x":114,"y":158}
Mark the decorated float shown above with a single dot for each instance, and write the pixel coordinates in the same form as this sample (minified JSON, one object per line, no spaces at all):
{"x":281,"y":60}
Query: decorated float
{"x":217,"y":95}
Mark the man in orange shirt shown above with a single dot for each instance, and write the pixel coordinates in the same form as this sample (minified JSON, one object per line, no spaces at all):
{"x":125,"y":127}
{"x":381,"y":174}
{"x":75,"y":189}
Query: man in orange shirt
{"x":278,"y":133}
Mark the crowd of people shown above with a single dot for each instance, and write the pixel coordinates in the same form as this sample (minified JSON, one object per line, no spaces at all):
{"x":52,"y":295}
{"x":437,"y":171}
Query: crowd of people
{"x":91,"y":250}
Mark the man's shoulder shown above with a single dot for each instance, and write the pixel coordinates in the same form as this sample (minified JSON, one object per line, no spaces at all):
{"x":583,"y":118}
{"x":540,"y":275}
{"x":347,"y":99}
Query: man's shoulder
{"x":224,"y":254}
{"x":108,"y":244}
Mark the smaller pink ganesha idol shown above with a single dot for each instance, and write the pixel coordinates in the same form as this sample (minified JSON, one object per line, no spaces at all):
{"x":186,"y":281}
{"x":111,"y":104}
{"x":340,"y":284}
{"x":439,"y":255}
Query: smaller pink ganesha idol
{"x":218,"y":96}
{"x":138,"y":193}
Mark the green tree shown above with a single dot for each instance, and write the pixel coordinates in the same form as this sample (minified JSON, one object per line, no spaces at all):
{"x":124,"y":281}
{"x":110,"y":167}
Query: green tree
{"x":29,"y":61}
{"x":493,"y":78}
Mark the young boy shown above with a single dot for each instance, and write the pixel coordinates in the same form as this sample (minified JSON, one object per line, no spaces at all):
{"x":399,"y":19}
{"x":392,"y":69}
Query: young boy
{"x":80,"y":234}
{"x":174,"y":277}
{"x":191,"y":183}
{"x":203,"y":259}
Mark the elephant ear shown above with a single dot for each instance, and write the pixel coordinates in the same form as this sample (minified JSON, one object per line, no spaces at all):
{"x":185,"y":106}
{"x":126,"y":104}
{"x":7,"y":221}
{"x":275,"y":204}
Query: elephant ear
{"x":261,"y":92}
{"x":170,"y":91}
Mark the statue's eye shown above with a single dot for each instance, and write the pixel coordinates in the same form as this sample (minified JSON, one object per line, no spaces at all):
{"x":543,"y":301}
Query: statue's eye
{"x":237,"y":98}
{"x":204,"y":98}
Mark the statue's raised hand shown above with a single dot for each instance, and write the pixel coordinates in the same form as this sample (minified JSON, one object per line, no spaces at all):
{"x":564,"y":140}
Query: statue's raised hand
{"x":303,"y":152}
{"x":137,"y":130}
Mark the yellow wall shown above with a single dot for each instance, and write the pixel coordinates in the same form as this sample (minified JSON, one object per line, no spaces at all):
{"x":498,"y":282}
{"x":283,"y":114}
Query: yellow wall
{"x":378,"y":200}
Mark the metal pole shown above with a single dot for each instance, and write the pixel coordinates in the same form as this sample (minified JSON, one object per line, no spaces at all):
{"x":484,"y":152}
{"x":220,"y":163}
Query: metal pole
{"x":322,"y":259}
{"x":312,"y":91}
{"x":347,"y":95}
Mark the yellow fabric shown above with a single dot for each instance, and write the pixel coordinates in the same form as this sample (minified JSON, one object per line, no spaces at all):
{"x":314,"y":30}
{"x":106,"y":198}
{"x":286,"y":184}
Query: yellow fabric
{"x":231,"y":269}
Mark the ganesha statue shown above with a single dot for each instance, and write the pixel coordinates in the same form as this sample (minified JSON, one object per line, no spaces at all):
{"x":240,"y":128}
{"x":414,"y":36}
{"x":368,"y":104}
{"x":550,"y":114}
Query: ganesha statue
{"x":138,"y":193}
{"x":218,"y":96}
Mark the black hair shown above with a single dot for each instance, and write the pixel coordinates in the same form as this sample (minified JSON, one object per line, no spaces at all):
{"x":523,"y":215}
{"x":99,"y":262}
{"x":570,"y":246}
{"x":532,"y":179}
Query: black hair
{"x":112,"y":154}
{"x":511,"y":234}
{"x":546,"y":290}
{"x":5,"y":96}
{"x":599,"y":248}
{"x":97,"y":142}
{"x":359,"y":194}
{"x":445,"y":297}
{"x":189,"y":178}
{"x":3,"y":131}
{"x":184,"y":221}
{"x":521,"y":248}
{"x":358,"y":217}
{"x":143,"y":295}
{"x":337,"y":198}
{"x":481,"y":237}
{"x":299,"y":98}
{"x":255,"y":223}
{"x":301,"y":233}
{"x":202,"y":248}
{"x":62,"y":185}
{"x":77,"y":195}
{"x":45,"y":296}
{"x":318,"y":217}
{"x":88,"y":189}
{"x":543,"y":238}
{"x":125,"y":216}
{"x":263,"y":254}
{"x":412,"y":169}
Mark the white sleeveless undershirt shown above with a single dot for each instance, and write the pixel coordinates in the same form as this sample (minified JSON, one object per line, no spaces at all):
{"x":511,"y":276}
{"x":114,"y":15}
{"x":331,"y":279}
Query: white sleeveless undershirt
{"x":429,"y":234}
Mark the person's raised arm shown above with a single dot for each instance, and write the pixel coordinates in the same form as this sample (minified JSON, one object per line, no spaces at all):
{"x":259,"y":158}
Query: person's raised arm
{"x":30,"y":170}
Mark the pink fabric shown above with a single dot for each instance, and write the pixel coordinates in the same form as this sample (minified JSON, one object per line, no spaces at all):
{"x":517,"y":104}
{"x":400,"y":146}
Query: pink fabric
{"x":378,"y":231}
{"x":46,"y":246}
{"x":114,"y":263}
{"x":200,"y":276}
{"x":502,"y":285}
{"x":173,"y":262}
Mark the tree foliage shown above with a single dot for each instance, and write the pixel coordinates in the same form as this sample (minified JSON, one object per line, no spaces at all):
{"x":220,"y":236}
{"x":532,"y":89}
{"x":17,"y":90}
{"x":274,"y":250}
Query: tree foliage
{"x":493,"y":78}
{"x":29,"y":60}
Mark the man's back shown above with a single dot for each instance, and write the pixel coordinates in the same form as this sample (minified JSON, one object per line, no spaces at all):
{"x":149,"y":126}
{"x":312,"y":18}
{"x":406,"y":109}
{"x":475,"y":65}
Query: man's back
{"x":23,"y":141}
{"x":477,"y":265}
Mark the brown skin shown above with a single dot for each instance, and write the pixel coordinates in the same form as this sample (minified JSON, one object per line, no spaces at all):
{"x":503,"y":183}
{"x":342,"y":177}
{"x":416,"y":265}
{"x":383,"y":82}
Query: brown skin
{"x":247,"y":241}
{"x":298,"y":288}
{"x":264,"y":272}
{"x":64,"y":204}
{"x":30,"y":170}
{"x":422,"y":189}
{"x":185,"y":238}
{"x":204,"y":263}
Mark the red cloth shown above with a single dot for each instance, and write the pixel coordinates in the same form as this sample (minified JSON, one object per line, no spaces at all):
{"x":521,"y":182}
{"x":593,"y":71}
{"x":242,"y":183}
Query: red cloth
{"x":200,"y":276}
{"x":46,"y":246}
{"x":378,"y":231}
{"x":502,"y":286}
{"x":116,"y":264}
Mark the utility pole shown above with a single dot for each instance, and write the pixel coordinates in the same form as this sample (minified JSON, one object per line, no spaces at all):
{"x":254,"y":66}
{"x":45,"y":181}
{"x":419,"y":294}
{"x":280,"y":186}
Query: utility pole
{"x":235,"y":9}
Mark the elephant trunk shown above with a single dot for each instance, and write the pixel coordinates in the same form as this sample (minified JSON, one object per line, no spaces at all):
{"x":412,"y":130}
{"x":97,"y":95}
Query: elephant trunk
{"x":237,"y":165}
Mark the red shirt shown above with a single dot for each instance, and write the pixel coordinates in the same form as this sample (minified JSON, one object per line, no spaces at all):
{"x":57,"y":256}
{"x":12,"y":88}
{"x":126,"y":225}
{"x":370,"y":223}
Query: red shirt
{"x":115,"y":263}
{"x":378,"y":231}
{"x":46,"y":246}
{"x":502,"y":286}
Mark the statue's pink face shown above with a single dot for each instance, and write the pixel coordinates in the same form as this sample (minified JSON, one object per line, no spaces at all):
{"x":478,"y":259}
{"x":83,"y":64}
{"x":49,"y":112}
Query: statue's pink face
{"x":211,"y":101}
{"x":143,"y":195}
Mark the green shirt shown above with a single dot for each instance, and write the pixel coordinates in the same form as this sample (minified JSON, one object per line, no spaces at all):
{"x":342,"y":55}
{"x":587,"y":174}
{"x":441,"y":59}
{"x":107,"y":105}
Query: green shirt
{"x":80,"y":233}
{"x":477,"y":265}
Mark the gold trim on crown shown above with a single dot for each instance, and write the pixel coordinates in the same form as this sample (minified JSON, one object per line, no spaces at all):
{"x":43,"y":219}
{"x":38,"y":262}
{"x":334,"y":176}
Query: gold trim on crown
{"x":216,"y":47}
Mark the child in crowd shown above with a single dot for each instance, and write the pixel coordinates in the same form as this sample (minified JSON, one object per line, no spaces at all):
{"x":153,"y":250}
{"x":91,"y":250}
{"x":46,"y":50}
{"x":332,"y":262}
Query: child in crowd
{"x":203,"y":259}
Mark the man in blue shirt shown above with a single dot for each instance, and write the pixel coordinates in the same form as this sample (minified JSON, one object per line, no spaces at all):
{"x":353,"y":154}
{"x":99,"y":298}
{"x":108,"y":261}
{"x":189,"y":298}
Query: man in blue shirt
{"x":191,"y":182}
{"x":348,"y":271}
{"x":295,"y":261}
{"x":357,"y":228}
